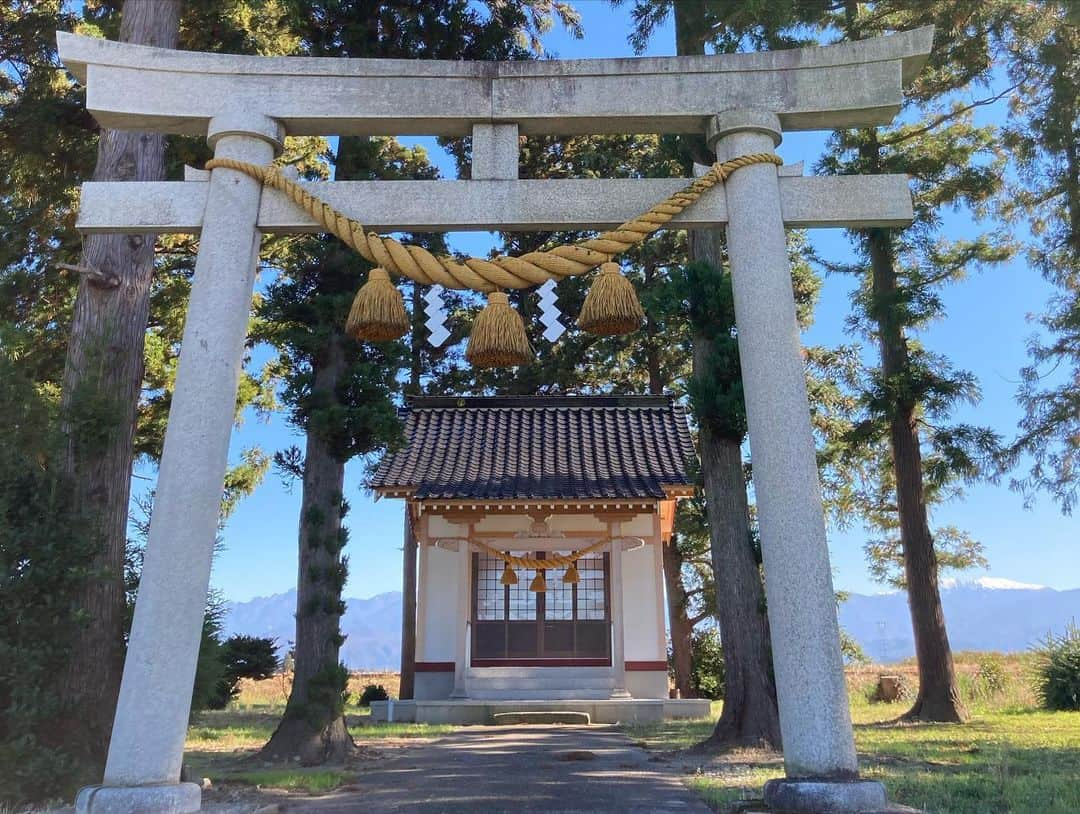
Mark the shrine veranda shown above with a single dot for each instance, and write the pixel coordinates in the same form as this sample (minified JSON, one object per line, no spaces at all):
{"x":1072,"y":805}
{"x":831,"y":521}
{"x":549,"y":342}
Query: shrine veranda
{"x":245,"y":107}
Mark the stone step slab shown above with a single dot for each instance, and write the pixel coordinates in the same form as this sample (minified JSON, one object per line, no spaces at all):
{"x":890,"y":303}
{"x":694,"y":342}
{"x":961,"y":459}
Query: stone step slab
{"x":556,"y":717}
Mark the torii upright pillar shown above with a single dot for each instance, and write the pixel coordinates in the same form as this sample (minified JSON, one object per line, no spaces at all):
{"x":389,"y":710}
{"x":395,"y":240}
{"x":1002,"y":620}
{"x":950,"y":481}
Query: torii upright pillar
{"x":815,"y":721}
{"x":147,"y":745}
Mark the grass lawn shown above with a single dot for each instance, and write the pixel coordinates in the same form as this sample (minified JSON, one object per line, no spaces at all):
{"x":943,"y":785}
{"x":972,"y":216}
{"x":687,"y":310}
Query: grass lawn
{"x":1010,"y":757}
{"x":221,"y":745}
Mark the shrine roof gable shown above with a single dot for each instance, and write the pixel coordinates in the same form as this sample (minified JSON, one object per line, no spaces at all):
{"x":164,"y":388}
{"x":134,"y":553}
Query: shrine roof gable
{"x":540,"y":448}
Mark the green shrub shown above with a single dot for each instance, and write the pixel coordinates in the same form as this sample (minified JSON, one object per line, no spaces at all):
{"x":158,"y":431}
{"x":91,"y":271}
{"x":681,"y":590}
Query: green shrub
{"x":373,"y":692}
{"x":210,"y":688}
{"x":1057,"y":682}
{"x":708,"y":675}
{"x":241,"y":657}
{"x":991,"y":676}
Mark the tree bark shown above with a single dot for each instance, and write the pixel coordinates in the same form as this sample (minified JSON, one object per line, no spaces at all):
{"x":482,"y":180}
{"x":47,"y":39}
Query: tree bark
{"x":103,"y":377}
{"x":682,"y":642}
{"x":750,"y":713}
{"x":939,"y":696}
{"x":408,"y":611}
{"x":313,"y":727}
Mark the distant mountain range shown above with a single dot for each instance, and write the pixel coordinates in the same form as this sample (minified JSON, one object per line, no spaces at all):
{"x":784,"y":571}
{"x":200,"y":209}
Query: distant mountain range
{"x":372,"y":626}
{"x":983,"y":614}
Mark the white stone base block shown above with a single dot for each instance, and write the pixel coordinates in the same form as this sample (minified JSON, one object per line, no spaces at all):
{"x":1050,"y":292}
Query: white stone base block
{"x":171,"y":798}
{"x":826,"y":796}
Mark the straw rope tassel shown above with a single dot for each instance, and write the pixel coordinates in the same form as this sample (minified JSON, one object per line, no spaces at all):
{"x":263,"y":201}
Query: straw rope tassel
{"x":611,"y":307}
{"x":571,"y":577}
{"x":508,"y":576}
{"x":539,"y":584}
{"x":498,"y":337}
{"x":378,"y":312}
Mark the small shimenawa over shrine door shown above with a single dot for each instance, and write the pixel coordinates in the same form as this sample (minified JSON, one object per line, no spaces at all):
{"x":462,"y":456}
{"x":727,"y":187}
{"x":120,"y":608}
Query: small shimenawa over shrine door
{"x":568,"y":624}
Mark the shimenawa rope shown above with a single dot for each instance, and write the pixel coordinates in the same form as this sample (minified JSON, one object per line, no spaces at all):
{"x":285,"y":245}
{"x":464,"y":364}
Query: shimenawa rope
{"x":531,"y":269}
{"x":554,"y":561}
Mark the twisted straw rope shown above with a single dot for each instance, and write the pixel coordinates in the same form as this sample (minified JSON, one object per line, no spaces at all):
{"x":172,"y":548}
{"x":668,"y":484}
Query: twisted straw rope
{"x":558,"y":561}
{"x":501,"y":272}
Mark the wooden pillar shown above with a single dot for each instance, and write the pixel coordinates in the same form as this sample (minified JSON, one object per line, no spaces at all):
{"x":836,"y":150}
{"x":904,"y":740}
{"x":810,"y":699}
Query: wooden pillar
{"x":618,"y":638}
{"x":408,"y":609}
{"x":461,"y":647}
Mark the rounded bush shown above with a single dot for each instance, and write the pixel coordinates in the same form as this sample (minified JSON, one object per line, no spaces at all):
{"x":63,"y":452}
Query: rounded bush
{"x":373,"y":692}
{"x":1057,"y":682}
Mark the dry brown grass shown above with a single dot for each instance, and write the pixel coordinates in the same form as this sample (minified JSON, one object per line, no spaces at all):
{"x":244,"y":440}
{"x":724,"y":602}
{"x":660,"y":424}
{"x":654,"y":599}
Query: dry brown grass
{"x":273,"y":692}
{"x":1003,"y":679}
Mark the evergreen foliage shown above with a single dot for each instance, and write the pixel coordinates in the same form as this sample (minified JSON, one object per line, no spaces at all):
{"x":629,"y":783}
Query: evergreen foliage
{"x":708,"y":677}
{"x":46,"y":551}
{"x":372,"y":692}
{"x":240,"y":657}
{"x":1043,"y":138}
{"x":1057,"y":681}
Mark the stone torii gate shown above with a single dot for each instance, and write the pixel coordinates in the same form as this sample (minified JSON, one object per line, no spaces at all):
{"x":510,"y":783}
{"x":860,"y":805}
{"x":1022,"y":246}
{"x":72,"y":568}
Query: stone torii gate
{"x":245,"y":106}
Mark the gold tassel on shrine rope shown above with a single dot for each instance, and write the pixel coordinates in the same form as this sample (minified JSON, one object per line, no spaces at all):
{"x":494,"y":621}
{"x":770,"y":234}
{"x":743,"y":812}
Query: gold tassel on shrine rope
{"x":611,"y":306}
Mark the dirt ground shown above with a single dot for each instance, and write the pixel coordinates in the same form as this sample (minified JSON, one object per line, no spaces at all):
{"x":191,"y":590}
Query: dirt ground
{"x":551,"y":769}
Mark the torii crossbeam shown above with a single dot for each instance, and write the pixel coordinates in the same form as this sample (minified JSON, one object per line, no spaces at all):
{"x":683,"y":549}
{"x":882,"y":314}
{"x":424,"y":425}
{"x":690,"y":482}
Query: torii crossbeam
{"x":246,"y":105}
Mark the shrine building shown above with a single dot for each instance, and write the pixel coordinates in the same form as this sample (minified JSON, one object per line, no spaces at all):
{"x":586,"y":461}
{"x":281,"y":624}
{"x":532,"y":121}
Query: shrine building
{"x":496,"y":488}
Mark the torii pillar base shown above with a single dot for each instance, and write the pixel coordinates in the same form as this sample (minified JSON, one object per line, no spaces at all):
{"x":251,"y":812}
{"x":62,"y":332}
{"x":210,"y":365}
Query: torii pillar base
{"x":166,"y":798}
{"x":817,"y":796}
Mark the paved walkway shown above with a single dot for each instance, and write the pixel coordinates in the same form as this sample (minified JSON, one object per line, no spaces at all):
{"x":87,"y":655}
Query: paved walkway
{"x":556,"y":770}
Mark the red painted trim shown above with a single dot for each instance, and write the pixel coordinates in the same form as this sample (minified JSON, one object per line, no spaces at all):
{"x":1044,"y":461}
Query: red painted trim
{"x":541,"y":663}
{"x":434,"y":667}
{"x":646,"y":666}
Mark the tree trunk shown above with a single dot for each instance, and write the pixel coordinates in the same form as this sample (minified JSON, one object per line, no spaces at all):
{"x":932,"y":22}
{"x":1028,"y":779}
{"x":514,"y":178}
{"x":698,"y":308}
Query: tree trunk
{"x":750,"y":713}
{"x":939,"y":697}
{"x":103,"y":377}
{"x":682,"y":643}
{"x":408,"y":611}
{"x":313,"y":727}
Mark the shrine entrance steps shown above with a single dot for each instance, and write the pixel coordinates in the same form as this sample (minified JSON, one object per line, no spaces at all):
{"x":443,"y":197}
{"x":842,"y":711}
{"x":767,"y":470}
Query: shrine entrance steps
{"x":483,"y":711}
{"x":540,"y":683}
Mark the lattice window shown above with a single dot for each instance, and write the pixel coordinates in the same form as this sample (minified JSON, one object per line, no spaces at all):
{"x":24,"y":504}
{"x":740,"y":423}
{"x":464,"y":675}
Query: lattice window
{"x":591,"y":596}
{"x":559,"y":598}
{"x":490,"y":594}
{"x":522,"y":600}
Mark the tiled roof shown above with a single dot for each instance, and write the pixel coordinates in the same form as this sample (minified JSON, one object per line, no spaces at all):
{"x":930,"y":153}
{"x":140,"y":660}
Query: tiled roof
{"x":540,"y":447}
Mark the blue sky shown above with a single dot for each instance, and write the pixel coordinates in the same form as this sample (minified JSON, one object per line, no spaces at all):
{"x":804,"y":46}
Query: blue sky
{"x":985,"y":332}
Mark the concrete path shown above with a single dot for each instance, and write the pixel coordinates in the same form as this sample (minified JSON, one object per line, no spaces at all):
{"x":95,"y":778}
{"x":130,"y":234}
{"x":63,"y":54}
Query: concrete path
{"x":551,"y":769}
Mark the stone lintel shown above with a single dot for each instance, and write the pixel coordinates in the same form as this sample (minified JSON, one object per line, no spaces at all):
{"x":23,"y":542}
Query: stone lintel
{"x":170,"y":91}
{"x":527,"y":205}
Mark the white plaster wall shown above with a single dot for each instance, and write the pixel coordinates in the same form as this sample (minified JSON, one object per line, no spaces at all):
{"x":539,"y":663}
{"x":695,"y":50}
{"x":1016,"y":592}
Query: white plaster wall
{"x":640,"y":526}
{"x":433,"y":686}
{"x":647,"y":684}
{"x":642,"y":596}
{"x":437,"y":607}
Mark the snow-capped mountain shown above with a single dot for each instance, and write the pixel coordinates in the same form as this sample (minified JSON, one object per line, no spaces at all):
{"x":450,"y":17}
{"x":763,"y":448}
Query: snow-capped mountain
{"x":988,"y":613}
{"x":992,"y":583}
